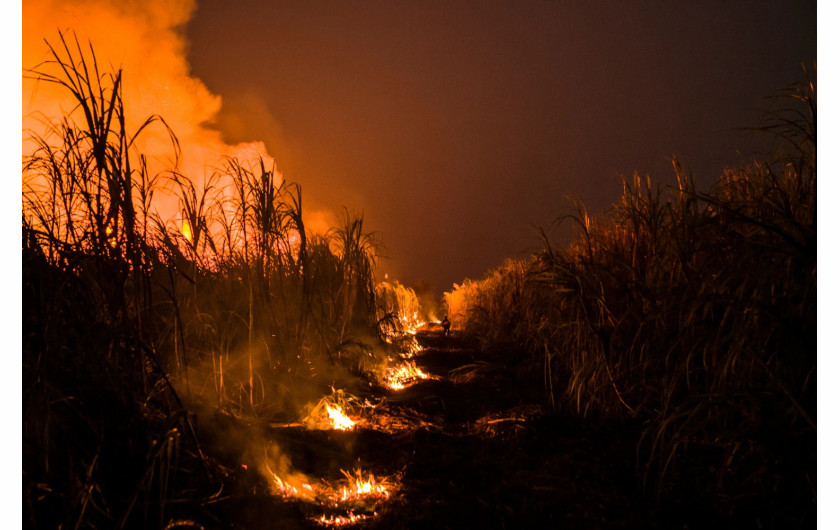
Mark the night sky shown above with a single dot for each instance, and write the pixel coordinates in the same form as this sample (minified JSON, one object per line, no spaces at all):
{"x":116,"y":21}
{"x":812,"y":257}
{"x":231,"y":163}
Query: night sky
{"x":458,"y":127}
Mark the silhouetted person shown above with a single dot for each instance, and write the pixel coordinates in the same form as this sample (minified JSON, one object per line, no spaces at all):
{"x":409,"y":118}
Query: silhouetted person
{"x":445,"y":323}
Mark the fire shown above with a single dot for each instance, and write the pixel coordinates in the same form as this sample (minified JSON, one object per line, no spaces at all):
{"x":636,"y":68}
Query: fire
{"x":287,"y":490}
{"x":339,"y":420}
{"x":411,"y":323}
{"x":185,"y":229}
{"x":330,"y":412}
{"x":402,"y":308}
{"x":342,"y":520}
{"x":357,"y":495}
{"x":359,"y":487}
{"x":354,"y":488}
{"x":399,"y":377}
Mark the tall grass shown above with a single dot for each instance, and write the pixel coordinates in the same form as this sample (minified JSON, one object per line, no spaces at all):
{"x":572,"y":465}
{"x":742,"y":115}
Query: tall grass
{"x":692,"y":313}
{"x":133,"y":321}
{"x":99,"y":408}
{"x":398,"y":308}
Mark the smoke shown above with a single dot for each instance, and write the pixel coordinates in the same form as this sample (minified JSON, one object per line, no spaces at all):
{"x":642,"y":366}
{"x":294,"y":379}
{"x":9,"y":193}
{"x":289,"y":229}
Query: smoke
{"x":145,"y":40}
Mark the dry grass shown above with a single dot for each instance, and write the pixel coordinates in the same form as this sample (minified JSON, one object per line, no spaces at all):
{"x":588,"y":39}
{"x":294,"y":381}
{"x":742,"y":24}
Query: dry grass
{"x":692,"y":313}
{"x":132,"y":321}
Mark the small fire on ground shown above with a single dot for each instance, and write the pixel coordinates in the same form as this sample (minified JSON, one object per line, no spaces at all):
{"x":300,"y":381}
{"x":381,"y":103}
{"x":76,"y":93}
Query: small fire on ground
{"x":338,"y":418}
{"x":342,"y":520}
{"x":356,"y":496}
{"x":330,"y":413}
{"x":399,"y":377}
{"x":355,"y":487}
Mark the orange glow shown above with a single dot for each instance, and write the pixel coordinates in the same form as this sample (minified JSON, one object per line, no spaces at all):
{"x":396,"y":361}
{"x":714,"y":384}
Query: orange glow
{"x":412,"y":322}
{"x":359,"y":487}
{"x":185,"y":229}
{"x":288,"y":490}
{"x":342,"y":520}
{"x":330,"y":413}
{"x":339,"y":420}
{"x":399,"y":377}
{"x":355,"y":487}
{"x":145,"y":40}
{"x":358,"y":494}
{"x":401,"y":302}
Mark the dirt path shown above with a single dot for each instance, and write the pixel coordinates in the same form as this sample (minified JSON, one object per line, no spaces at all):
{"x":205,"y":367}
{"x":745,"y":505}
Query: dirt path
{"x":463,"y":450}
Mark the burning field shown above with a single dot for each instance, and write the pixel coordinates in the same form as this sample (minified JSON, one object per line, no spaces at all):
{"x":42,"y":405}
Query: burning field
{"x":443,"y":451}
{"x":197,"y":355}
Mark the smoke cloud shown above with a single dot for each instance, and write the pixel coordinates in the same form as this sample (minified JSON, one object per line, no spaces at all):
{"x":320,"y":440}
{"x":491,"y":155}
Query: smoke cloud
{"x":146,"y":41}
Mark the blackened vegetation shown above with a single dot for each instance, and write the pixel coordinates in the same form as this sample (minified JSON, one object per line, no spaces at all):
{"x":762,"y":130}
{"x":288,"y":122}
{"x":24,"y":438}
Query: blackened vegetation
{"x":660,"y":372}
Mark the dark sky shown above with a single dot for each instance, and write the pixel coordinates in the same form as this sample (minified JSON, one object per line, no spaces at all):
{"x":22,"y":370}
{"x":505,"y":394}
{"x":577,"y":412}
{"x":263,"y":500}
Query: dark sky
{"x":456,"y":127}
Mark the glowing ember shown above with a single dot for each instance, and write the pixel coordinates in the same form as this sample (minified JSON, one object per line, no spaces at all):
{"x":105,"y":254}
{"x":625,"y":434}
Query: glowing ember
{"x":398,"y":377}
{"x":338,"y":418}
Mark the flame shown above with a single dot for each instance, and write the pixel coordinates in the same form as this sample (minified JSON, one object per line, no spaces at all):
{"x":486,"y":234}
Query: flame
{"x":330,"y":412}
{"x":356,"y":486}
{"x":357,"y":492}
{"x":400,"y":301}
{"x":411,"y":323}
{"x":287,"y":490}
{"x":185,"y":229}
{"x":339,"y":420}
{"x":111,"y":235}
{"x":342,"y":520}
{"x":362,"y":488}
{"x":399,"y":377}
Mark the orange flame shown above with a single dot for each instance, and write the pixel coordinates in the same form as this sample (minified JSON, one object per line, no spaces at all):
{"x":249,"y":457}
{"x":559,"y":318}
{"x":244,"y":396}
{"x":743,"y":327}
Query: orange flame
{"x":339,"y":420}
{"x":342,"y":520}
{"x":330,"y":413}
{"x":399,"y":377}
{"x":288,"y":490}
{"x":185,"y":229}
{"x":356,"y":492}
{"x":362,"y":488}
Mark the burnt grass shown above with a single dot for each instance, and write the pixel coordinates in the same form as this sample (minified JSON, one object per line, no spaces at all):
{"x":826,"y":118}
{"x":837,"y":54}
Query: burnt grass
{"x":483,"y":452}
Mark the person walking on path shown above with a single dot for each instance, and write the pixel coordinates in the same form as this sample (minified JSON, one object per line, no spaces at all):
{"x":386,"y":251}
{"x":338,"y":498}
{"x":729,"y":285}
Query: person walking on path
{"x":445,"y":323}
